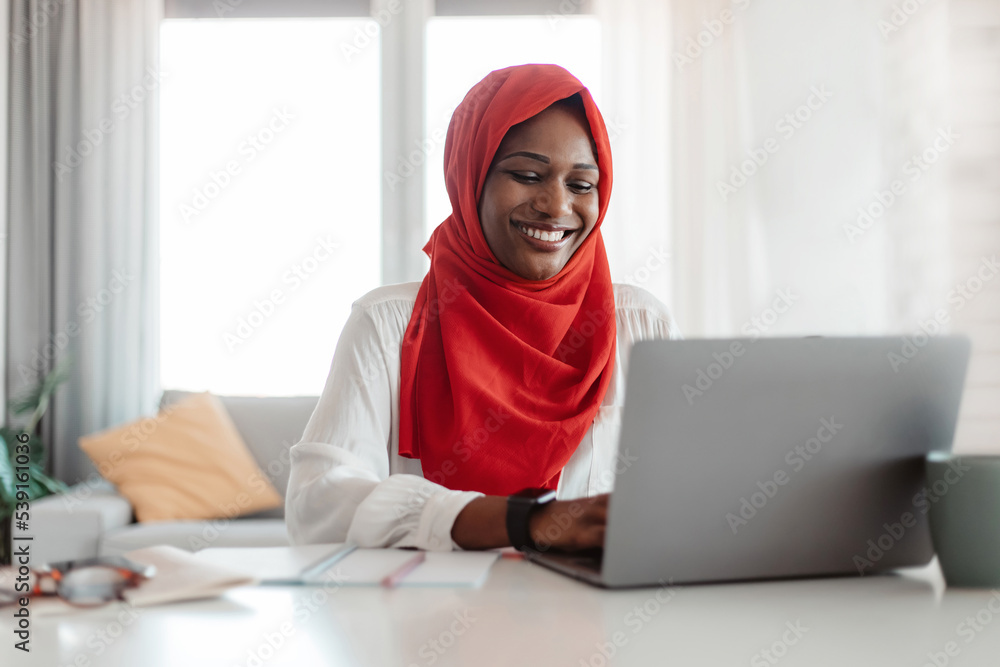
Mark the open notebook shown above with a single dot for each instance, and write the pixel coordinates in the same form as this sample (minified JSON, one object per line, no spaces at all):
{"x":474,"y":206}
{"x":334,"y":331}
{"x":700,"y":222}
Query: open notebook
{"x":358,"y":567}
{"x":181,"y":575}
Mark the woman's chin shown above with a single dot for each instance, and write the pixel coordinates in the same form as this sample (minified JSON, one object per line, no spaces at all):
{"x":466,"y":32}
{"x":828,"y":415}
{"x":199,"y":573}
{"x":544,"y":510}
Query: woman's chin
{"x":538,"y":272}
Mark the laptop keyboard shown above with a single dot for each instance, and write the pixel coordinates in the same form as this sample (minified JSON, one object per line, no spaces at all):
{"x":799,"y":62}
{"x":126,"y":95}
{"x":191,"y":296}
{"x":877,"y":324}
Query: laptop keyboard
{"x":588,"y":560}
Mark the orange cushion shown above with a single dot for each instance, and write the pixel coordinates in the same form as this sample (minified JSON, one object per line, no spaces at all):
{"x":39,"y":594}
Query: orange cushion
{"x":188,"y":462}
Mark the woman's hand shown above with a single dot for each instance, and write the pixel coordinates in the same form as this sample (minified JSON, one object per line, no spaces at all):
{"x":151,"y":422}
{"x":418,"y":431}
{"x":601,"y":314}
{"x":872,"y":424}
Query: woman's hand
{"x":570,"y":525}
{"x":562,"y":525}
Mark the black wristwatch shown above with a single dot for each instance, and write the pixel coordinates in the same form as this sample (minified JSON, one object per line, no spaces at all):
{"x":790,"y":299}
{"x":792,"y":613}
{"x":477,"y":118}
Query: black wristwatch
{"x":519,"y":509}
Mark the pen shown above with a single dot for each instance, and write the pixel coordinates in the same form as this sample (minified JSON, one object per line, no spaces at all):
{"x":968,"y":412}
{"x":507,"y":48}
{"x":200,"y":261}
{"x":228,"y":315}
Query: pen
{"x":392,"y":580}
{"x":323,"y":564}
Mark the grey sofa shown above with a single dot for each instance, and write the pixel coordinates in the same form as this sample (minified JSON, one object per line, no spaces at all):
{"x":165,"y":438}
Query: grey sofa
{"x":94,"y":520}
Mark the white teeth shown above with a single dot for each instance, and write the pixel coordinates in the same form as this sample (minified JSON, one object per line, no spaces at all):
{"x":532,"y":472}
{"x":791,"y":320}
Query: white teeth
{"x":540,"y":235}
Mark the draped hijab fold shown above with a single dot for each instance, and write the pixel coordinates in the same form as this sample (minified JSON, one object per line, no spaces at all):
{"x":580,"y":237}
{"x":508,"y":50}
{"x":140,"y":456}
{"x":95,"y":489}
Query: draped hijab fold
{"x":501,"y":377}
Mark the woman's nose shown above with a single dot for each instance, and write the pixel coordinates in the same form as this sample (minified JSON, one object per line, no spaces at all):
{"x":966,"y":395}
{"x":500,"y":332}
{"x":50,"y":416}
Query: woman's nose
{"x":554,"y":201}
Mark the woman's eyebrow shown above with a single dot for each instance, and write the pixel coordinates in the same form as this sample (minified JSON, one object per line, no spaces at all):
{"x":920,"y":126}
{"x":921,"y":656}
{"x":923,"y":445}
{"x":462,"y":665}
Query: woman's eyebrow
{"x":544,"y":159}
{"x":533,"y":156}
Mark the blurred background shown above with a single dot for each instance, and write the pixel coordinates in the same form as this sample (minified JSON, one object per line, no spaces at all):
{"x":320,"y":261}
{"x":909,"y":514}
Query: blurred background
{"x":249,"y":168}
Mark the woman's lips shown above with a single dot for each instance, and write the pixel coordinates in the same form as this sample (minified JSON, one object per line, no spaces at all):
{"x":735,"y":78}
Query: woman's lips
{"x":539,"y":244}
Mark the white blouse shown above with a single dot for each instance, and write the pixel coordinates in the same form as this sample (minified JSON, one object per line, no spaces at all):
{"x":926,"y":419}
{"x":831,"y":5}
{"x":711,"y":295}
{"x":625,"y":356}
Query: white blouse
{"x":348,"y":481}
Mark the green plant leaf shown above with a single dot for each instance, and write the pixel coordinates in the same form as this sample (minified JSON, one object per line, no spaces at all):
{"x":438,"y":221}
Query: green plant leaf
{"x":27,"y":400}
{"x":62,"y":371}
{"x":6,"y":475}
{"x":35,"y":489}
{"x":35,"y":399}
{"x":50,"y":484}
{"x":36,"y":450}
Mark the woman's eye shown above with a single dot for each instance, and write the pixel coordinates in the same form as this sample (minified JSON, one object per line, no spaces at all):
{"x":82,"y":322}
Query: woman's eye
{"x":579,"y":187}
{"x":524,"y":177}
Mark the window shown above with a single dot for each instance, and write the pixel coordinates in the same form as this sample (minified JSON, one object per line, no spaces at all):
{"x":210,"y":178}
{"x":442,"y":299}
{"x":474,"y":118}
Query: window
{"x":279,"y":140}
{"x":269,"y":198}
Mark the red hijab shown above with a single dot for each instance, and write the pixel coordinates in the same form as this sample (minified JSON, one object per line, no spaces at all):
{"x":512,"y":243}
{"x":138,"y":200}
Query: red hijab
{"x":501,"y":376}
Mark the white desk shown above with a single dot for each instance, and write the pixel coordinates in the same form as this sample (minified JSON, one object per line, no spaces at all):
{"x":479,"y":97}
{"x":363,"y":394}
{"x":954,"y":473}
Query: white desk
{"x":526,"y":615}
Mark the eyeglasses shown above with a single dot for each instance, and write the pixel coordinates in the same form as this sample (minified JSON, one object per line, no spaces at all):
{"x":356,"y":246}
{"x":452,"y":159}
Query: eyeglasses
{"x":89,"y":582}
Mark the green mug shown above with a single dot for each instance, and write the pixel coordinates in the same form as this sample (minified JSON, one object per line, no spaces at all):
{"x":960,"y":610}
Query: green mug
{"x":963,"y":493}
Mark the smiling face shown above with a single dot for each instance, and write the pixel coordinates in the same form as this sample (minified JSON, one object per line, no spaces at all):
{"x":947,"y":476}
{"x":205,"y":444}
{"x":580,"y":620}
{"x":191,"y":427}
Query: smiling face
{"x":539,"y":201}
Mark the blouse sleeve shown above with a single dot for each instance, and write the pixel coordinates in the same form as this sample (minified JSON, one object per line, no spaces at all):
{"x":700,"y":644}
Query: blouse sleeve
{"x":644,"y":316}
{"x":339,"y":487}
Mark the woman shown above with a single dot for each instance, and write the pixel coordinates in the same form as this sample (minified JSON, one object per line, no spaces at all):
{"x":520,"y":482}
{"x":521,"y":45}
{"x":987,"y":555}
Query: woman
{"x":502,"y":370}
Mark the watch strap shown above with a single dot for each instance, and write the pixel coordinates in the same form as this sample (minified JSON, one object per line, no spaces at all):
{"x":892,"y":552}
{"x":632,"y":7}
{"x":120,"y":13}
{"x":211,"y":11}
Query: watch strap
{"x":520,"y":507}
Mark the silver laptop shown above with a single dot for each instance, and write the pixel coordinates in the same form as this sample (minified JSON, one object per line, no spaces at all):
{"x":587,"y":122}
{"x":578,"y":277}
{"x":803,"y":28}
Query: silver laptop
{"x":773,"y":458}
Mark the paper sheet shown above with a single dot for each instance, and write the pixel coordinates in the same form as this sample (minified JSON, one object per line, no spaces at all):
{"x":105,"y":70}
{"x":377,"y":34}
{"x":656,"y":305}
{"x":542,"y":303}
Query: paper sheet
{"x":180,"y":576}
{"x":270,"y":565}
{"x":362,"y":567}
{"x":453,"y":568}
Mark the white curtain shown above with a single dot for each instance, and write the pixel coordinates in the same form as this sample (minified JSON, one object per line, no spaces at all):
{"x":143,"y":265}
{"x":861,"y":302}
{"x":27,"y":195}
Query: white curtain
{"x":82,"y":205}
{"x":636,"y":81}
{"x":721,"y":261}
{"x":754,"y":133}
{"x":4,"y":161}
